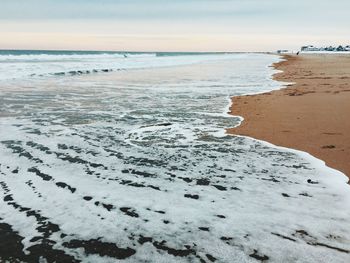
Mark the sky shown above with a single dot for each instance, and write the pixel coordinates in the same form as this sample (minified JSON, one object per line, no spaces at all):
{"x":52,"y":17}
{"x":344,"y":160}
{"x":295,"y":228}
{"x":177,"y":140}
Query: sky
{"x":173,"y":25}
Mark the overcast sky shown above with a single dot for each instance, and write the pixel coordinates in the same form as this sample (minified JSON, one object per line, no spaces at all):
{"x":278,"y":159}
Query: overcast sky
{"x":173,"y":25}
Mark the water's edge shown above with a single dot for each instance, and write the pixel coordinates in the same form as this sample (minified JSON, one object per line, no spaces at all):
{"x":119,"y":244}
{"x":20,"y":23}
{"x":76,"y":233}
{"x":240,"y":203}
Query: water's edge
{"x":316,"y":162}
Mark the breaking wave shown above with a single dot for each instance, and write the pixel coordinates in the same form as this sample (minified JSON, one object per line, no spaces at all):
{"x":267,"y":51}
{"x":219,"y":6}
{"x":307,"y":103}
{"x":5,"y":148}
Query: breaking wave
{"x":24,"y":64}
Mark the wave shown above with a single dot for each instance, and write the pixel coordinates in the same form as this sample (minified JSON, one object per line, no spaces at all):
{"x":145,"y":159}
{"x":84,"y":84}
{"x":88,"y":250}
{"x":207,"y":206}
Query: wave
{"x":23,"y":65}
{"x":80,"y":72}
{"x":69,"y":57}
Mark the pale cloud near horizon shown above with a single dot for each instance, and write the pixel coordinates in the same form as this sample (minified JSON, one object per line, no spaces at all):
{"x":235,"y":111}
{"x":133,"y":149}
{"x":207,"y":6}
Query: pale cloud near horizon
{"x":227,"y":25}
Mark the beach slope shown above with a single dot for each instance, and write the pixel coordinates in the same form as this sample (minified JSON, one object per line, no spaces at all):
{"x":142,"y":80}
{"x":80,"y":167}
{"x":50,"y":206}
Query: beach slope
{"x":312,"y":115}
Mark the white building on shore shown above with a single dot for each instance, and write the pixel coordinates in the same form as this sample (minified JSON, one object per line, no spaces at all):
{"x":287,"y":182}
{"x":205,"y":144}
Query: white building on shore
{"x":311,"y":48}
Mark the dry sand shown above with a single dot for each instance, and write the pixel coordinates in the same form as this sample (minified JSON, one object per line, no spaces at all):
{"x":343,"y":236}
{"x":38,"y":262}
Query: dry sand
{"x":312,"y":115}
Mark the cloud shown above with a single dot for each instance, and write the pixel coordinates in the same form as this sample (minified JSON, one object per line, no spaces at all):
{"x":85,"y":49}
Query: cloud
{"x":134,"y":9}
{"x":176,"y":10}
{"x":316,"y":19}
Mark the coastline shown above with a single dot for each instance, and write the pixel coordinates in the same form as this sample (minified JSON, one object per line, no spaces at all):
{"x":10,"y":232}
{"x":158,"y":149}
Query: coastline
{"x":309,"y":115}
{"x":97,"y":151}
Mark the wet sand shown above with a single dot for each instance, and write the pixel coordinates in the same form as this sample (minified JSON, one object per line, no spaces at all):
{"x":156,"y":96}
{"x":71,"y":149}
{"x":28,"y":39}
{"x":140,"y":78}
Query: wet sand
{"x":312,"y":115}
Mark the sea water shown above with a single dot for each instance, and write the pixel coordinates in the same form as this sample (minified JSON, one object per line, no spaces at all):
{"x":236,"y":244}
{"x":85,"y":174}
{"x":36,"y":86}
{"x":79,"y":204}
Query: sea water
{"x":107,"y":156}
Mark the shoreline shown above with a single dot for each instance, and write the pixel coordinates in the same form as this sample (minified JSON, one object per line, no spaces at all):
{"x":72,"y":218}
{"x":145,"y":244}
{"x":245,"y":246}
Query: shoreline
{"x":308,"y":115}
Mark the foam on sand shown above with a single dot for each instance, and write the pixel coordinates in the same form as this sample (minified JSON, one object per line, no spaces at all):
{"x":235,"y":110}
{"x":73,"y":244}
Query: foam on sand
{"x":135,"y":166}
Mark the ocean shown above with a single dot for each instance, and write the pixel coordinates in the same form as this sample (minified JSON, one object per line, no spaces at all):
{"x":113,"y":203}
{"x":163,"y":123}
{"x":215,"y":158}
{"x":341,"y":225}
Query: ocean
{"x":109,"y":156}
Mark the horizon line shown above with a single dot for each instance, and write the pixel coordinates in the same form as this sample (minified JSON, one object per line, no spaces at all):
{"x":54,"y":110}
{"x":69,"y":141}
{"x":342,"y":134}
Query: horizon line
{"x":128,"y":51}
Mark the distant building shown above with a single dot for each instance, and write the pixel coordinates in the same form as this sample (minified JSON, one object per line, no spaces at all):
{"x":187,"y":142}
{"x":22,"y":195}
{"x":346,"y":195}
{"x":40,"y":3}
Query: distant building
{"x":330,"y":48}
{"x":309,"y":48}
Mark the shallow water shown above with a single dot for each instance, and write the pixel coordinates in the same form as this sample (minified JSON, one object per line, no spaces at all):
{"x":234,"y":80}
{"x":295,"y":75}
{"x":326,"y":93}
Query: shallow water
{"x":135,"y":165}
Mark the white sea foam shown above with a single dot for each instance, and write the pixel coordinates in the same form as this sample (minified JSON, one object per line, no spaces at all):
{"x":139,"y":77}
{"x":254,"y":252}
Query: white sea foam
{"x":166,"y":184}
{"x":39,"y":65}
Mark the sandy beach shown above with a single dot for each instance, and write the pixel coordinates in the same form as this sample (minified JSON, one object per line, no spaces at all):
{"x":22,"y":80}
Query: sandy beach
{"x":311,"y":115}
